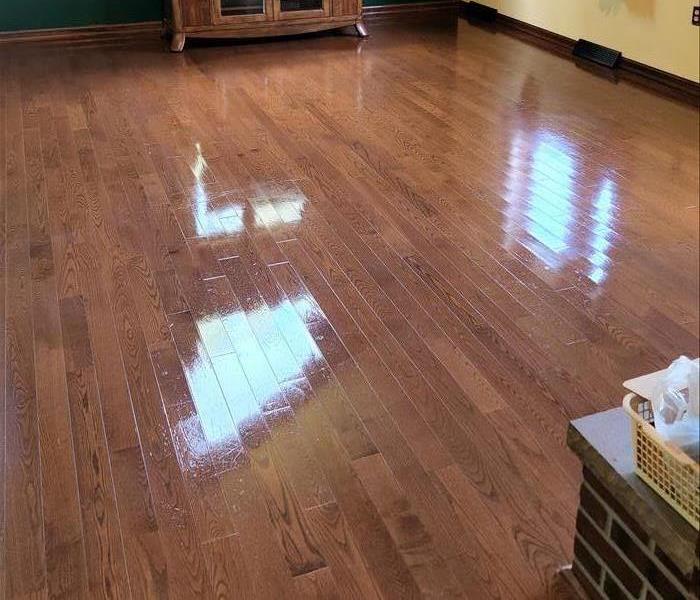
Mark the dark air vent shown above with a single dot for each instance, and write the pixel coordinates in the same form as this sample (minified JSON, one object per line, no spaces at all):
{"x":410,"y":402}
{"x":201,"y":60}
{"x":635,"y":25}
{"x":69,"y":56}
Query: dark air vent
{"x":479,"y":12}
{"x":596,"y":53}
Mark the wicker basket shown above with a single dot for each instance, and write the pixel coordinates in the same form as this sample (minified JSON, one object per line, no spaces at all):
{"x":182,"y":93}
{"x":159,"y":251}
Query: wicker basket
{"x":670,"y":472}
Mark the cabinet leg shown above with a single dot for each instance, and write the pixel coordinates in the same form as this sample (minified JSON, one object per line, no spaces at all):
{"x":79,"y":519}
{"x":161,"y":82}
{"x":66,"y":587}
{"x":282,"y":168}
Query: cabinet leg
{"x":361,"y":29}
{"x":178,"y":42}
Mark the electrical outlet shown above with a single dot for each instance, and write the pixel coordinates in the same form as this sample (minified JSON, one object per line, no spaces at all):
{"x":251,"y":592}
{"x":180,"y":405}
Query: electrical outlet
{"x":696,"y":15}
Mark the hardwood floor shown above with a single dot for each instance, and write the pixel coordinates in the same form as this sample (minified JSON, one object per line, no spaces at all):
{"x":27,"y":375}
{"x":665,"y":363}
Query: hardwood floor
{"x":308,"y":318}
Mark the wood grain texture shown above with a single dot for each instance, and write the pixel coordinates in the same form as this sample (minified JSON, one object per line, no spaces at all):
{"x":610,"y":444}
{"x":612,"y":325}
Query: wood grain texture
{"x":308,"y":319}
{"x":25,"y":560}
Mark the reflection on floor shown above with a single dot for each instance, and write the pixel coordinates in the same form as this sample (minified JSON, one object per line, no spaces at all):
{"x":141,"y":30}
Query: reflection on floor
{"x":308,"y":318}
{"x":542,"y":200}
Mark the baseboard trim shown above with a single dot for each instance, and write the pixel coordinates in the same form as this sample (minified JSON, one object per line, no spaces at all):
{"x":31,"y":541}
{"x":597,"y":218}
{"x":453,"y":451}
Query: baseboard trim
{"x":537,"y":35}
{"x":627,"y":69}
{"x":80,"y":34}
{"x":409,"y":9}
{"x":662,"y":81}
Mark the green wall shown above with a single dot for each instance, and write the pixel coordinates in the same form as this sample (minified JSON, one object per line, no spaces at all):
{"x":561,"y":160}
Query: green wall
{"x":39,"y":14}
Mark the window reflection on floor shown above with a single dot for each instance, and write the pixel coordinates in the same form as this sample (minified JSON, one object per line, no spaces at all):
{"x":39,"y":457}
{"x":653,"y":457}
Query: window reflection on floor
{"x":245,"y":378}
{"x":551,"y":211}
{"x":233,"y":390}
{"x":226,"y":213}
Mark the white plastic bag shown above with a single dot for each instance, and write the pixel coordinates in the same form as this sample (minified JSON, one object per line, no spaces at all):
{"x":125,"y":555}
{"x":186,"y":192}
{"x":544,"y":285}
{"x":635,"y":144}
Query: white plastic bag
{"x":677,"y":405}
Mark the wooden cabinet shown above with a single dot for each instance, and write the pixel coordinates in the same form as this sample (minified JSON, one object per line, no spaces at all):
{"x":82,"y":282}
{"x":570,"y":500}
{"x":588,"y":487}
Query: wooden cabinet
{"x":250,"y":18}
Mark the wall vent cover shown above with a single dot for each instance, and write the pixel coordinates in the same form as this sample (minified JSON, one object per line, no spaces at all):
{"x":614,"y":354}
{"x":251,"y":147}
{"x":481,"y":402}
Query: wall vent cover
{"x":597,"y":53}
{"x":480,"y":12}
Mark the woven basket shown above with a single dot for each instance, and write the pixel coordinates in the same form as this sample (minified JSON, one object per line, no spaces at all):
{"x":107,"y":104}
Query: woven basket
{"x":670,"y":472}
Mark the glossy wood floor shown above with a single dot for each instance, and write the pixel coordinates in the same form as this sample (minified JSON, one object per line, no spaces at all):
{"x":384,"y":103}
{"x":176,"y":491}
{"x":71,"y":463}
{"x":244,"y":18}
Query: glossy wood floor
{"x":307,"y":319}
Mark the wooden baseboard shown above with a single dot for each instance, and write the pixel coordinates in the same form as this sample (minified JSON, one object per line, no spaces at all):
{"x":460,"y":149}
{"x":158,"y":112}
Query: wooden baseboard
{"x":542,"y":37}
{"x":409,"y":9}
{"x":80,"y":34}
{"x":629,"y":70}
{"x":663,"y":82}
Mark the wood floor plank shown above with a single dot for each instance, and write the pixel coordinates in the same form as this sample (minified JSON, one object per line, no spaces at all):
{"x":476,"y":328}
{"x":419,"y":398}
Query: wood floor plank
{"x":229,"y":578}
{"x":389,"y":574}
{"x":512,"y":549}
{"x":430,"y":571}
{"x":65,"y":552}
{"x":345,"y":562}
{"x":277,"y":476}
{"x":262,"y":556}
{"x":100,"y":516}
{"x":24,"y":542}
{"x":151,"y":306}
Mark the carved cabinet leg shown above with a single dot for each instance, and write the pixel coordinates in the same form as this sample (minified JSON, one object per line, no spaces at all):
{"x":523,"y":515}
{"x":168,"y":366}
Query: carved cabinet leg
{"x":178,"y":42}
{"x":361,"y":29}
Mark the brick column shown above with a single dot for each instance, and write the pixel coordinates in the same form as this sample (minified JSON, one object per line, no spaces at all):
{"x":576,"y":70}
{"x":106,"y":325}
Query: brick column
{"x":613,"y":556}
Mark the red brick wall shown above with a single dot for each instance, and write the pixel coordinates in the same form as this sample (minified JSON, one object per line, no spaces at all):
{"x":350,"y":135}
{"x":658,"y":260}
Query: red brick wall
{"x":614,"y":558}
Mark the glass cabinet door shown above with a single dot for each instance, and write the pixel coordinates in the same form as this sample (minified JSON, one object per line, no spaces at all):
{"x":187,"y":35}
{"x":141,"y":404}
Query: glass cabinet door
{"x":234,"y":8}
{"x":301,"y":9}
{"x":233,"y":11}
{"x":295,"y":5}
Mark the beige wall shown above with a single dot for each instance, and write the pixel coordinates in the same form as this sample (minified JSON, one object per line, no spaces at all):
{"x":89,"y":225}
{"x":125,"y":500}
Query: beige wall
{"x":655,"y":32}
